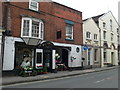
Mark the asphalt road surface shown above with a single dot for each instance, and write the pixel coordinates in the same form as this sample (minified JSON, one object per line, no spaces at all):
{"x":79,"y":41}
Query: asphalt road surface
{"x":103,"y":79}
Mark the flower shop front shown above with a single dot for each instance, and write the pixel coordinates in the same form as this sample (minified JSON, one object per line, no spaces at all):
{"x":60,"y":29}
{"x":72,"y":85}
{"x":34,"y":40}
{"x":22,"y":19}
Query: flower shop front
{"x":39,"y":58}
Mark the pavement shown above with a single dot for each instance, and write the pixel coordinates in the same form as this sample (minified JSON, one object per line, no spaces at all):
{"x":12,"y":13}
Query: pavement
{"x":7,"y":80}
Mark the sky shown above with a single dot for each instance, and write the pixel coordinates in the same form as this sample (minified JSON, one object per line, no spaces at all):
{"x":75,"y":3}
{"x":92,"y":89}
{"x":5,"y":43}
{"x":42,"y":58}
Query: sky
{"x":91,"y":8}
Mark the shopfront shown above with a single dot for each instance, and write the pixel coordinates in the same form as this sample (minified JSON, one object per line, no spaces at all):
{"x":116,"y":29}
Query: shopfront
{"x":17,"y":52}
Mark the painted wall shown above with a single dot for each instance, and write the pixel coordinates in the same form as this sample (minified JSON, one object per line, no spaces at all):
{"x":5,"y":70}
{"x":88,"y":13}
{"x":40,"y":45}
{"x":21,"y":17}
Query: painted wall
{"x":90,"y":26}
{"x":9,"y":52}
{"x":106,"y":19}
{"x":76,"y":62}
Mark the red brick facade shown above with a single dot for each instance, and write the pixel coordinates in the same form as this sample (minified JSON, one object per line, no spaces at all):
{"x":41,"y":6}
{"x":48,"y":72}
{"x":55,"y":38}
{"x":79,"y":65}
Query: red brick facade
{"x":53,"y":15}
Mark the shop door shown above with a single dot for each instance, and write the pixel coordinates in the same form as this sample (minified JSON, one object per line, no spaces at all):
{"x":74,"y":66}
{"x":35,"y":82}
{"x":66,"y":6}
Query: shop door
{"x":112,"y":58}
{"x":89,"y":56}
{"x":48,"y":59}
{"x":65,"y":57}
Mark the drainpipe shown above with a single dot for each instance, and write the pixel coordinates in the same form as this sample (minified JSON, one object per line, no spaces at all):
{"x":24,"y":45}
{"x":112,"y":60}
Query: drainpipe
{"x":8,"y":19}
{"x":100,"y":47}
{"x":6,"y":25}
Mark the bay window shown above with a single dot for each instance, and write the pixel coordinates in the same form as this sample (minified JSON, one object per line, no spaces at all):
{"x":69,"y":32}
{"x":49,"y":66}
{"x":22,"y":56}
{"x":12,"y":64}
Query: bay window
{"x":32,"y":28}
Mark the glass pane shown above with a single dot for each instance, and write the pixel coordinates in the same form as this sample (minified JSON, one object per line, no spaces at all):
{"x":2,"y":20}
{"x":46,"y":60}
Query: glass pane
{"x":35,"y":29}
{"x":69,"y":31}
{"x":26,"y":28}
{"x":39,"y":57}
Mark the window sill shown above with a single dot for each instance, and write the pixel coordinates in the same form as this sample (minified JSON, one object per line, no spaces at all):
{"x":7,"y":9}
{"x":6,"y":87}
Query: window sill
{"x":95,"y":40}
{"x":31,"y":37}
{"x":88,"y":39}
{"x":33,"y":10}
{"x":69,"y":39}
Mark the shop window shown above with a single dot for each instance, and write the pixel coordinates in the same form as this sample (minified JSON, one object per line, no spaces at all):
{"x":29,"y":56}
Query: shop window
{"x":39,"y":58}
{"x":22,"y":54}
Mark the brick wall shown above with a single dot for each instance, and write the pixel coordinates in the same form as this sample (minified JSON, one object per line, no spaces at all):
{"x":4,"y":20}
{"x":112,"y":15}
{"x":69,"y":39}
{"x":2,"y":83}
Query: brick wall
{"x":53,"y":15}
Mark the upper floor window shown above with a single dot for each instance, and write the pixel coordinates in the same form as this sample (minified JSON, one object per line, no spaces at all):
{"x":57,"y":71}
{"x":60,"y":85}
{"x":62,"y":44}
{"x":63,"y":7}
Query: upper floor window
{"x":59,"y":34}
{"x":117,"y":30}
{"x":118,"y":38}
{"x":110,"y":24}
{"x":111,"y":36}
{"x":32,"y":28}
{"x":104,"y":35}
{"x":34,"y":5}
{"x":95,"y":37}
{"x":104,"y":25}
{"x":69,"y":31}
{"x":88,"y":35}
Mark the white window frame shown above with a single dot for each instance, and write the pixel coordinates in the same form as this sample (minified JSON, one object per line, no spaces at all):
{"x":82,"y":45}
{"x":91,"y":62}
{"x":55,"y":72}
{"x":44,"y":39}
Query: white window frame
{"x":105,"y":55}
{"x":111,"y":26}
{"x":39,"y":64}
{"x":71,"y":35}
{"x":104,"y":35}
{"x":95,"y":54}
{"x":95,"y":37}
{"x":88,"y":35}
{"x":41,"y":31}
{"x":104,"y":25}
{"x":112,"y":36}
{"x":34,"y":1}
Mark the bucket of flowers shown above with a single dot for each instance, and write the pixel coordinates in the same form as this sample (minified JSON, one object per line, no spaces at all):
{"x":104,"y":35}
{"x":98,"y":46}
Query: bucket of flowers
{"x":27,"y":71}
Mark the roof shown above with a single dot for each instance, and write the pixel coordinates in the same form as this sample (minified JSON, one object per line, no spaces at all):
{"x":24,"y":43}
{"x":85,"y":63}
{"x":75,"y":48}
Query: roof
{"x":95,"y":18}
{"x":66,"y":6}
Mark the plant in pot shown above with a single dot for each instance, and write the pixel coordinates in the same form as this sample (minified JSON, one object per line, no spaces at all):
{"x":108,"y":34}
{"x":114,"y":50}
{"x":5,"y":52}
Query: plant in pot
{"x":45,"y":70}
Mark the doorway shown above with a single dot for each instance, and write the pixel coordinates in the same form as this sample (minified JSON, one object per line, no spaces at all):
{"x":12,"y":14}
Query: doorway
{"x":65,"y":57}
{"x":89,"y":56}
{"x":112,"y":58}
{"x":47,"y":56}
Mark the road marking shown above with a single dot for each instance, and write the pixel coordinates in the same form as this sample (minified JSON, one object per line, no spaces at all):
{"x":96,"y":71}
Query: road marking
{"x":99,"y":81}
{"x":42,"y":81}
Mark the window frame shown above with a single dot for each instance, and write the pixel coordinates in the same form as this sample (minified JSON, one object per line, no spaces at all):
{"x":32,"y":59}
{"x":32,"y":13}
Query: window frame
{"x":72,"y":31}
{"x":41,"y":29}
{"x":104,"y":35}
{"x":95,"y":37}
{"x":111,"y":26}
{"x":95,"y":54}
{"x":104,"y":25}
{"x":88,"y":35}
{"x":112,"y":36}
{"x":30,"y":1}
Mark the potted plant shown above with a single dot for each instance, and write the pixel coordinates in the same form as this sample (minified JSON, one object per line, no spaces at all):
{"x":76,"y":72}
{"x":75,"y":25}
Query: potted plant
{"x":45,"y":70}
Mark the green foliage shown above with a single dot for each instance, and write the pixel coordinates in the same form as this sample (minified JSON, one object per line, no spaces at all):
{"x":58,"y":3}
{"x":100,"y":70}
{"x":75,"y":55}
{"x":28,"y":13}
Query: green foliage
{"x":44,"y":69}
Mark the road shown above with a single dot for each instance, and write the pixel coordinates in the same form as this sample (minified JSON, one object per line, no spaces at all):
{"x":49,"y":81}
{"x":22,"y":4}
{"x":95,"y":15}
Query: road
{"x":103,"y":79}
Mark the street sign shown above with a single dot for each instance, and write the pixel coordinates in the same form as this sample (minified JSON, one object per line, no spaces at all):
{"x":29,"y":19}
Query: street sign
{"x":85,"y":47}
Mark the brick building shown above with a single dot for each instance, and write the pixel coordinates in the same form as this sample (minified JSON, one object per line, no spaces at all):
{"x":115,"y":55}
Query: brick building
{"x":39,"y":30}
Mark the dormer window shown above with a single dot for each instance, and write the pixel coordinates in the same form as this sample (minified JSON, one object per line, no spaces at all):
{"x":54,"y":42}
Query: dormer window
{"x":33,"y":5}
